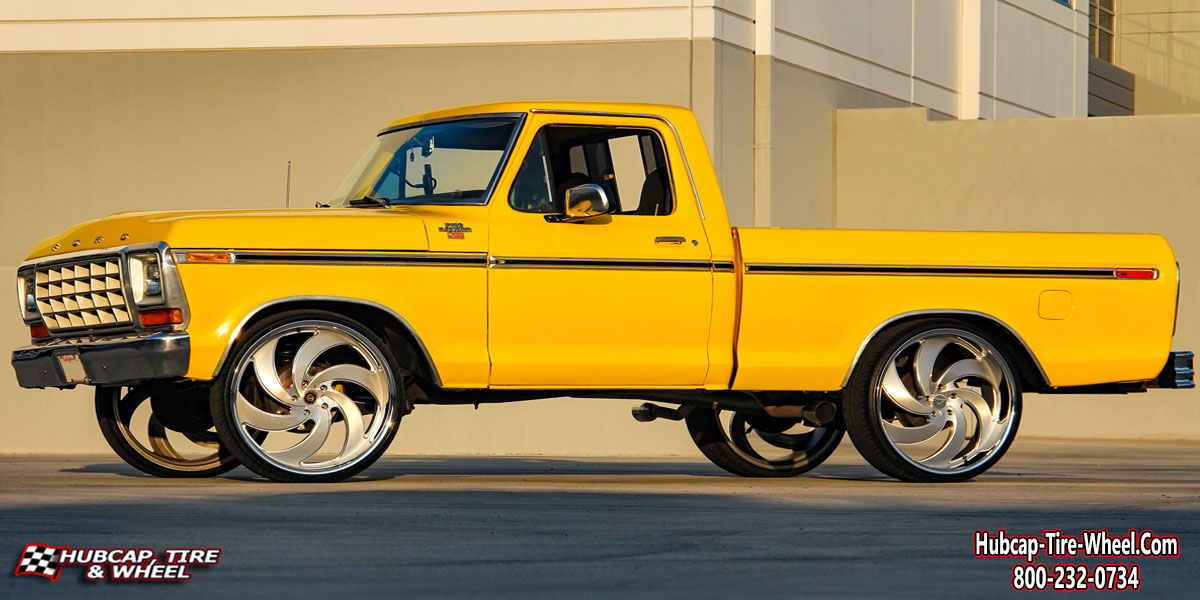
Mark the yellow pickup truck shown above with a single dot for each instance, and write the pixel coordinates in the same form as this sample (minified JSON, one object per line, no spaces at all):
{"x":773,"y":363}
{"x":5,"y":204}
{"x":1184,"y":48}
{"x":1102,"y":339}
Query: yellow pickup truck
{"x":530,"y":250}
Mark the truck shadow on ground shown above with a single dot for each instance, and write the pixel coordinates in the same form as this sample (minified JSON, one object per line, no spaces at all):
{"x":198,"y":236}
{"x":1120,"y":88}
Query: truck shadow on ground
{"x":392,"y":467}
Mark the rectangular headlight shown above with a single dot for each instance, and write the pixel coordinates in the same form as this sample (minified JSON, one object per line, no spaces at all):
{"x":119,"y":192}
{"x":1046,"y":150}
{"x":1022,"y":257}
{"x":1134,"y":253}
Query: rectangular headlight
{"x":26,"y":296}
{"x":145,"y":278}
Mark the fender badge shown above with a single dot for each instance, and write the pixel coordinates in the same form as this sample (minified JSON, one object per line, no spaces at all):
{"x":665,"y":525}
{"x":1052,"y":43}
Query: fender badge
{"x":455,"y":231}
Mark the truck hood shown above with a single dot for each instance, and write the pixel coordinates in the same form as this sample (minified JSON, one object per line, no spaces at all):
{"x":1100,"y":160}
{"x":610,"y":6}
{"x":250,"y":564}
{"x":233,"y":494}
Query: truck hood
{"x":309,"y":229}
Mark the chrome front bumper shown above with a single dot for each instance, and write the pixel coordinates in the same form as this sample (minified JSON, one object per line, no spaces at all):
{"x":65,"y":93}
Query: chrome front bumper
{"x":106,"y":361}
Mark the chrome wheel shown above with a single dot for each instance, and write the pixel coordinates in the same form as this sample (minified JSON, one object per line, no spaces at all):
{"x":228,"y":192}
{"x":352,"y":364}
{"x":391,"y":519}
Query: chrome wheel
{"x":945,"y":399}
{"x":759,"y":445}
{"x":933,"y":400}
{"x":181,"y":443}
{"x":321,"y":392}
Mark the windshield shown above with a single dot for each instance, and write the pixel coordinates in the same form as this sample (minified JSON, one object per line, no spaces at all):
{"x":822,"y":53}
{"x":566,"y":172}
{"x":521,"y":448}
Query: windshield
{"x":443,"y":163}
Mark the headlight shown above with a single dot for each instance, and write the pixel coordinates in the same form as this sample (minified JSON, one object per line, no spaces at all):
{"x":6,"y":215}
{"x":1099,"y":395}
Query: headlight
{"x":26,"y":296}
{"x":145,"y":279}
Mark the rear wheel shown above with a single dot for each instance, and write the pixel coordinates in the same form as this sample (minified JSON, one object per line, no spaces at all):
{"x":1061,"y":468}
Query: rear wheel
{"x":308,"y":396}
{"x":760,"y":445}
{"x":163,"y":430}
{"x":933,"y":400}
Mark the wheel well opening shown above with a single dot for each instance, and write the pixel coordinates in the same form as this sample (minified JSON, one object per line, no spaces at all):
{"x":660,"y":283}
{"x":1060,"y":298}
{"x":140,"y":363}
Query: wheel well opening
{"x":1024,"y":363}
{"x":401,"y":341}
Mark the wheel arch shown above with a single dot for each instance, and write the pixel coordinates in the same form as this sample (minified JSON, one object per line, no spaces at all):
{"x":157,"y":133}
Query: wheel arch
{"x":402,"y":339}
{"x":1033,"y":376}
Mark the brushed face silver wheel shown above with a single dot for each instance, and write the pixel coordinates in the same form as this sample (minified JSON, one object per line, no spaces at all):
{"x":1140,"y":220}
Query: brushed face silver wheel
{"x":187,"y":447}
{"x":945,"y":399}
{"x":759,"y":445}
{"x":323,"y":394}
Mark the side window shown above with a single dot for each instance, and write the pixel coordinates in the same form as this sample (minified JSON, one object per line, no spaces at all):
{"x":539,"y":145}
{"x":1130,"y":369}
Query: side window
{"x":531,"y":189}
{"x":628,"y":162}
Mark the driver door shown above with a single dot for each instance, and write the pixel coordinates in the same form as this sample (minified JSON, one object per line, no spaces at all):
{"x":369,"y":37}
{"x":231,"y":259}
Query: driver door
{"x":617,"y":301}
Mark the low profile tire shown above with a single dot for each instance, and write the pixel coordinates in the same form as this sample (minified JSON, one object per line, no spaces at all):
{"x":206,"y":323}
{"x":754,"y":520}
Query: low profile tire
{"x":141,"y":438}
{"x":760,"y":446}
{"x":933,"y":400}
{"x":307,"y":396}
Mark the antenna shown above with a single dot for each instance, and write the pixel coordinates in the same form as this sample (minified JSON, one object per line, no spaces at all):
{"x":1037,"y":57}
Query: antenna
{"x":287,"y":194}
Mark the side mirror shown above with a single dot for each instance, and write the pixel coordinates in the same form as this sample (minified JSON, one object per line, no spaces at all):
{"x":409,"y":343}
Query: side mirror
{"x":585,"y":202}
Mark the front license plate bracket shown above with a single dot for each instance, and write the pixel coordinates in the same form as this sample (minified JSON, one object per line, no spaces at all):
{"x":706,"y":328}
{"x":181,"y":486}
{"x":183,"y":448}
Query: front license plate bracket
{"x":72,"y":367}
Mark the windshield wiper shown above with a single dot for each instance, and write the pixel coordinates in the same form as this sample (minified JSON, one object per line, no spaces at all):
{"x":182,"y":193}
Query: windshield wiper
{"x":369,"y":200}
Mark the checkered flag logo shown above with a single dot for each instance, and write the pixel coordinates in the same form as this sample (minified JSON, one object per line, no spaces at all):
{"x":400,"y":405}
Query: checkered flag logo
{"x":40,"y":560}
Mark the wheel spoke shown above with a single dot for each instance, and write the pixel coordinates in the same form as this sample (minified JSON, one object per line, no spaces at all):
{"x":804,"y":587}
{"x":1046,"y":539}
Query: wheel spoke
{"x":966,"y":368}
{"x":207,"y":439}
{"x":372,"y":381}
{"x":911,"y":435}
{"x":896,"y":391}
{"x":268,"y":374}
{"x":158,"y":438}
{"x":251,"y":415}
{"x":943,"y":457}
{"x":307,"y":447}
{"x":353,"y":418}
{"x":311,"y":349}
{"x":927,"y":354}
{"x":990,"y":430}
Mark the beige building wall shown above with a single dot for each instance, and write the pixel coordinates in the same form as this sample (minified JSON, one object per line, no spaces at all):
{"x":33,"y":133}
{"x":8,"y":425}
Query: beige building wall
{"x":1159,"y":42}
{"x":897,"y":170}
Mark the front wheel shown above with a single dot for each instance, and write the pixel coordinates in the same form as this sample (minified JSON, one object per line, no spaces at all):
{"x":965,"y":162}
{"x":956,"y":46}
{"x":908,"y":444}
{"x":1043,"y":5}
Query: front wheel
{"x":309,"y":396}
{"x":760,"y":445}
{"x":164,"y":430}
{"x":933,"y":401}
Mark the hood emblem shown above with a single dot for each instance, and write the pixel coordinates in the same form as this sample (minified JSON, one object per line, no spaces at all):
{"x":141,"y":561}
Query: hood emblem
{"x":124,"y":236}
{"x":56,"y":246}
{"x":455,"y":231}
{"x":75,"y":243}
{"x":98,"y":239}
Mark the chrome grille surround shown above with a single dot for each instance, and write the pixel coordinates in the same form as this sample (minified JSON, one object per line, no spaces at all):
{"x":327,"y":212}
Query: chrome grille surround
{"x":87,"y":295}
{"x":83,"y":294}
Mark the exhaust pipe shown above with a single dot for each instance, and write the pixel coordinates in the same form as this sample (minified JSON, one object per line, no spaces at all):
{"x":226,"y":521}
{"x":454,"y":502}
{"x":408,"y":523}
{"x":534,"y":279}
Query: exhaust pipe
{"x":648,"y":412}
{"x":816,"y":414}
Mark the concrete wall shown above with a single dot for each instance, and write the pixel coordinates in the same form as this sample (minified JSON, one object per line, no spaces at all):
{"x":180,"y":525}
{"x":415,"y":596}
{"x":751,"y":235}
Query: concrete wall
{"x":896,"y":170}
{"x":1159,"y":42}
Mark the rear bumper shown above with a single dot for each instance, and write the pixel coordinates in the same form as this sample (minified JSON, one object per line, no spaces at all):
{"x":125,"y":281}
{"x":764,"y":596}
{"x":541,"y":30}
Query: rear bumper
{"x":106,"y":361}
{"x":1179,"y":372}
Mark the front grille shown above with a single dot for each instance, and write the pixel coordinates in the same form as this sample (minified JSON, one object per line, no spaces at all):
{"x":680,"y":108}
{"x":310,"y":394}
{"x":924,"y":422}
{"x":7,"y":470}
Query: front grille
{"x":85,"y":294}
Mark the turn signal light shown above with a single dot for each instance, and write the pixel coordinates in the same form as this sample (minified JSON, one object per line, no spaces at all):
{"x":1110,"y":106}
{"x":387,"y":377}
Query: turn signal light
{"x":169,"y":316}
{"x":208,"y":257}
{"x":38,"y":331}
{"x":1137,"y":274}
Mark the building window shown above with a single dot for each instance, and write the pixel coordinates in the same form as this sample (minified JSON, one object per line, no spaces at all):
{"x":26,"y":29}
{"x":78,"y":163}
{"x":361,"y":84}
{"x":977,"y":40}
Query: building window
{"x":1066,"y":3}
{"x":1100,"y":32}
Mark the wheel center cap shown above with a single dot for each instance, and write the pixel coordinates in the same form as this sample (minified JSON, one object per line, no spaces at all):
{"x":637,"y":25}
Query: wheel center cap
{"x":939,"y":401}
{"x":310,"y":397}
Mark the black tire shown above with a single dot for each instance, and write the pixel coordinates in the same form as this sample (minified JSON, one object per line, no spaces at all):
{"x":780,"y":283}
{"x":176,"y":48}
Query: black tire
{"x":710,"y":437}
{"x":115,"y":407}
{"x":865,"y":403}
{"x":239,"y":440}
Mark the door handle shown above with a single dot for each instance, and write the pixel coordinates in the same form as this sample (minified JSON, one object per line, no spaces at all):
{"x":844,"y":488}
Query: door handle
{"x":669,"y":239}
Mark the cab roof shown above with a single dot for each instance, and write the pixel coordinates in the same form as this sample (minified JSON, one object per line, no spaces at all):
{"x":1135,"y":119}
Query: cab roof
{"x":664,"y":110}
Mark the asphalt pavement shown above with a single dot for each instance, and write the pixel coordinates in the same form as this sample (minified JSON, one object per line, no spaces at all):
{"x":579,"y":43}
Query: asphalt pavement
{"x":521,"y":527}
